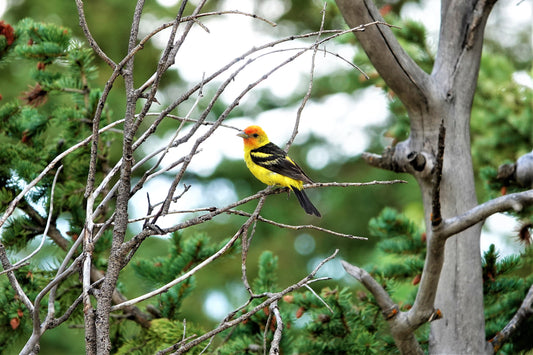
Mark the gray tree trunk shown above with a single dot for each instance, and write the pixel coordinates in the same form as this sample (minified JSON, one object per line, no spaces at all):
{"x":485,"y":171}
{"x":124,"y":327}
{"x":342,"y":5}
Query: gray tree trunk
{"x":446,"y":96}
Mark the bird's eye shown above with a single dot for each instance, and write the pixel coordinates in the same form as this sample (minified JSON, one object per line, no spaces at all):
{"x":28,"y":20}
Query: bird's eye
{"x":255,"y":135}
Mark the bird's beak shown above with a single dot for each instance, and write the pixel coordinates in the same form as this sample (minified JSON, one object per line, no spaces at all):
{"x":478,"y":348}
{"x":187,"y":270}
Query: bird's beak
{"x":242,"y":134}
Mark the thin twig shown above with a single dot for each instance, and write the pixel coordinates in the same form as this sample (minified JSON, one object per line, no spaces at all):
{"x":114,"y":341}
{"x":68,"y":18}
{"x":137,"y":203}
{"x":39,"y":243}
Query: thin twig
{"x":204,"y":123}
{"x":288,"y":226}
{"x":310,"y":85}
{"x":265,"y":332}
{"x":320,"y":298}
{"x":48,"y":220}
{"x":246,"y":241}
{"x":354,"y":184}
{"x":237,"y":12}
{"x":92,"y":42}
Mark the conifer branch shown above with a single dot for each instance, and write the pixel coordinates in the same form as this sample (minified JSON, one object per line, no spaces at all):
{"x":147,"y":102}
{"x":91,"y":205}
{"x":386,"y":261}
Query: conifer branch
{"x":13,"y":204}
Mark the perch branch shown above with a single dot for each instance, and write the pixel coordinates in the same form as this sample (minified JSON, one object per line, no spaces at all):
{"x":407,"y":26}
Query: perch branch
{"x":394,"y":65}
{"x":299,"y":227}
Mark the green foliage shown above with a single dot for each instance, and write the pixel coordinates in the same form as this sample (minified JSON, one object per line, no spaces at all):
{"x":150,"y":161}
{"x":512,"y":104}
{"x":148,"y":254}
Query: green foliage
{"x":267,"y":280}
{"x":402,"y":245}
{"x":15,"y":322}
{"x":506,"y":282}
{"x":502,"y":116}
{"x":54,"y":114}
{"x":351,"y":328}
{"x":45,"y":42}
{"x":162,"y":334}
{"x":184,"y":254}
{"x":310,"y":327}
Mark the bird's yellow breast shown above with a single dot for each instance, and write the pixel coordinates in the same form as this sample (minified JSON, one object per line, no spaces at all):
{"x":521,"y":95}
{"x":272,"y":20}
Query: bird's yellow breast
{"x":269,"y":177}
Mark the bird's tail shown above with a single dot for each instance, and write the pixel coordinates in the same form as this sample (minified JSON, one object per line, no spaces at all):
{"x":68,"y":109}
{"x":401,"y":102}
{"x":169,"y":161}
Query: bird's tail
{"x":305,"y":202}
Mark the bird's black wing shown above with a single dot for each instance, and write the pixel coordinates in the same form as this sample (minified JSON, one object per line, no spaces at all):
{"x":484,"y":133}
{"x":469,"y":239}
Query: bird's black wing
{"x":273,"y":158}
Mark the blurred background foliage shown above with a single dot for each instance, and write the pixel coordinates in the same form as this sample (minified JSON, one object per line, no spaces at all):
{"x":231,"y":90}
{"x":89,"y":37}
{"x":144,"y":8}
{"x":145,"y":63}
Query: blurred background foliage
{"x":502,"y":130}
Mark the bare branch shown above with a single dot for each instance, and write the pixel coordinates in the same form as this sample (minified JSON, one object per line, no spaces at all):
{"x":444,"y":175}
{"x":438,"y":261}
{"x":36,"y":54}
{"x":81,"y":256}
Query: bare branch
{"x":382,"y":297}
{"x":92,"y":42}
{"x":401,"y":328}
{"x":12,"y":279}
{"x":274,"y":345}
{"x":265,"y":332}
{"x":354,"y":184}
{"x":395,"y":66}
{"x":320,"y":298}
{"x":288,"y":226}
{"x":525,"y":311}
{"x":247,"y":240}
{"x":454,"y":225}
{"x":310,"y":85}
{"x":49,"y":219}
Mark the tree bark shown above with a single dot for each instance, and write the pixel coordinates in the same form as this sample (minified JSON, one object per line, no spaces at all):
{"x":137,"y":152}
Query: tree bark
{"x":446,"y":96}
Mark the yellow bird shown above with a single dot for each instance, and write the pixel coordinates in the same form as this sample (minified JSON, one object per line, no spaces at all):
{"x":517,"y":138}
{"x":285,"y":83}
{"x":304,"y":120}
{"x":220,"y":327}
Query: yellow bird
{"x":272,"y":166}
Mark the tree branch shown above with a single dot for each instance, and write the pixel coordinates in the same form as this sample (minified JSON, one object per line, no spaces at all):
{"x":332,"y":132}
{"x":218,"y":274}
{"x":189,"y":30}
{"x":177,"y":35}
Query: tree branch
{"x":274,"y":345}
{"x":454,"y":225}
{"x":401,"y":329}
{"x":525,"y":311}
{"x":288,"y":226}
{"x":401,"y":73}
{"x":383,"y":299}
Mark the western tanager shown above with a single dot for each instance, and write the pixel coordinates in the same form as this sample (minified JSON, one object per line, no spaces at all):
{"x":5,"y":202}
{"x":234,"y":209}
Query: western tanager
{"x":272,"y":166}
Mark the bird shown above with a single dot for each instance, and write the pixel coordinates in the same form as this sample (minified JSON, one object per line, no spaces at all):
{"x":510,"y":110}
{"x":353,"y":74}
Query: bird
{"x":271,"y":165}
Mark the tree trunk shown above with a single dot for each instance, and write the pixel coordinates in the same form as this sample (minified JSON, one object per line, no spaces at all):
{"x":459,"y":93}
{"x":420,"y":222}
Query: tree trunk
{"x":444,"y":96}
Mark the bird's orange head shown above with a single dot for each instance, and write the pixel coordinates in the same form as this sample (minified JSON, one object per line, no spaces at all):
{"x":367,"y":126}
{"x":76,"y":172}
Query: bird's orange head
{"x":253,"y":137}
